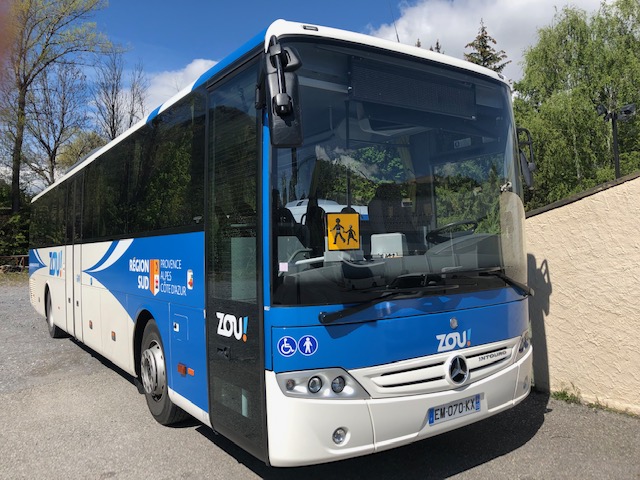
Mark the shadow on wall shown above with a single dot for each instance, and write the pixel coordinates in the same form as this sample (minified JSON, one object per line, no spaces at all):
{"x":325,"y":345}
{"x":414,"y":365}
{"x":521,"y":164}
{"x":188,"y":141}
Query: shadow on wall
{"x":540,"y":282}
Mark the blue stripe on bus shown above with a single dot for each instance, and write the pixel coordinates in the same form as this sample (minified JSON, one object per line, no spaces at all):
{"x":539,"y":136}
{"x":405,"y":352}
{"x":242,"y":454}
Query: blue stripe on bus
{"x":154,"y":113}
{"x":221,"y":65}
{"x":229,"y":59}
{"x":104,"y":258}
{"x":35,"y":261}
{"x":396,"y":331}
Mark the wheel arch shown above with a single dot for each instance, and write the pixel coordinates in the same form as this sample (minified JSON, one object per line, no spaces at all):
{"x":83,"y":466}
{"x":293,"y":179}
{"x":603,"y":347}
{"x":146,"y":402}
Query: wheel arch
{"x":141,"y":322}
{"x":47,"y":294}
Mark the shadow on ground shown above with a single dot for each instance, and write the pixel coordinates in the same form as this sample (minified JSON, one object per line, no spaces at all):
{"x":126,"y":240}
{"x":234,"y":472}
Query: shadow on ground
{"x":438,"y":457}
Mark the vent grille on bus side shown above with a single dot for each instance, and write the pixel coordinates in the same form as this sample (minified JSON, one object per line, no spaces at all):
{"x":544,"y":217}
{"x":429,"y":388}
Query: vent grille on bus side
{"x":32,"y":290}
{"x":429,"y":374}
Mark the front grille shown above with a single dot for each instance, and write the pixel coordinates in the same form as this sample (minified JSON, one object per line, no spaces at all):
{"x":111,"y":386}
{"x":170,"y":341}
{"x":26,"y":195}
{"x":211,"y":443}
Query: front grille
{"x":429,"y":374}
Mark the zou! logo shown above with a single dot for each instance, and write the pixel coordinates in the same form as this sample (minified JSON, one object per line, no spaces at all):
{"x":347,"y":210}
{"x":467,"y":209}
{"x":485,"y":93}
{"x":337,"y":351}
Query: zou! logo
{"x":55,"y":264}
{"x":229,"y":325}
{"x":453,"y":340}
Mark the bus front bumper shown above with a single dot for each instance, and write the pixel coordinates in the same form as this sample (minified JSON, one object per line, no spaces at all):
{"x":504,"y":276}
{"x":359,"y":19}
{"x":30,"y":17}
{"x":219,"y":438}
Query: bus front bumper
{"x":301,"y":430}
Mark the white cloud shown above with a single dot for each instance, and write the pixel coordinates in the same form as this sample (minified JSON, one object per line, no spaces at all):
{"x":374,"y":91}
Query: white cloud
{"x":512,"y":23}
{"x":164,"y":85}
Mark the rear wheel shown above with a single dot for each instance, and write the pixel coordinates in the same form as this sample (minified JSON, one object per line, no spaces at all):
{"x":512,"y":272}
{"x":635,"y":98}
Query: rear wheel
{"x":153,"y":373}
{"x":54,"y":331}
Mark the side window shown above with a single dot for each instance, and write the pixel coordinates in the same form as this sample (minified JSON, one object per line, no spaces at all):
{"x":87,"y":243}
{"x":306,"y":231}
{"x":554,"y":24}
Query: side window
{"x":233,"y":176}
{"x":151,"y":180}
{"x":166,"y":187}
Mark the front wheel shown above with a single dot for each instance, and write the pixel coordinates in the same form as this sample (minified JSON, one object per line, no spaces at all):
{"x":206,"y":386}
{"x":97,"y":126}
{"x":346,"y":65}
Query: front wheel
{"x":153,"y":373}
{"x":54,"y":331}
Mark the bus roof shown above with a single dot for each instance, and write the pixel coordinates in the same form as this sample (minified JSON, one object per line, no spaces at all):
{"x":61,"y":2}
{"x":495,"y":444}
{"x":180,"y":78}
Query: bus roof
{"x":279,"y":29}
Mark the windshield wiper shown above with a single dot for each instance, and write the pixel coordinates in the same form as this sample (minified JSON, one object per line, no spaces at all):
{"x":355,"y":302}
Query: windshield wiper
{"x":389,"y":293}
{"x":524,"y":289}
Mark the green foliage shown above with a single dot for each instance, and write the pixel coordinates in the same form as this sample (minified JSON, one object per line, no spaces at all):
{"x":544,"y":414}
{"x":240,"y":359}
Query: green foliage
{"x":567,"y":397}
{"x":14,"y":229}
{"x":14,"y":234}
{"x":483,"y":52}
{"x":580,"y":62}
{"x":469,"y":193}
{"x":83,"y":143}
{"x":365,"y":169}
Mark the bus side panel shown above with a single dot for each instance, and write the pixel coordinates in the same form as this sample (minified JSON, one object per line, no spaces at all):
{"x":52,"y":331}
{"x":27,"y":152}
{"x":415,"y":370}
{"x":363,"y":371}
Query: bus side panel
{"x":47,"y":270}
{"x":188,"y":349}
{"x":162,"y":275}
{"x":116,"y":331}
{"x":91,"y":317}
{"x":37,"y":280}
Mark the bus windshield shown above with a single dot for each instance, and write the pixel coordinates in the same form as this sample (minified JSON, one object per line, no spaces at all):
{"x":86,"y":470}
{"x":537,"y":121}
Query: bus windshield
{"x":407,"y":180}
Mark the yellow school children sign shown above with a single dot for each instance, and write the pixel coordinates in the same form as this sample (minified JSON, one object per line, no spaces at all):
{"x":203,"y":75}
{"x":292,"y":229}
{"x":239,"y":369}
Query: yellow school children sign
{"x":343,"y":231}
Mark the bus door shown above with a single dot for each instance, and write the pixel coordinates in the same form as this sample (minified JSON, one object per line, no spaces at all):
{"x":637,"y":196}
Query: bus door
{"x":235,"y":342}
{"x":73,"y":257}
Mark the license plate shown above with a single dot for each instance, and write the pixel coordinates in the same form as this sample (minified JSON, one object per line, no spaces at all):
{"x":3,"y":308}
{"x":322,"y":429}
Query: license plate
{"x":459,"y":408}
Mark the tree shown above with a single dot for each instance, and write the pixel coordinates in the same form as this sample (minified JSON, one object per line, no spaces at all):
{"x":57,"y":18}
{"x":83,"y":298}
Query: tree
{"x":483,"y":52}
{"x":579,"y":63}
{"x":56,"y":113}
{"x":116,"y":108}
{"x":46,"y":32}
{"x":6,"y":33}
{"x":437,"y":48}
{"x":83,"y":143}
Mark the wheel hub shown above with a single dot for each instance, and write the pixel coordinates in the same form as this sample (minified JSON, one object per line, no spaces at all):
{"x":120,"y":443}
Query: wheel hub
{"x":153,"y":370}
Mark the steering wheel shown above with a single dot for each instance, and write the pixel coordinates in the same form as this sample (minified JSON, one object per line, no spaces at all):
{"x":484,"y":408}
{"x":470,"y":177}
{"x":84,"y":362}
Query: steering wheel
{"x":436,"y":236}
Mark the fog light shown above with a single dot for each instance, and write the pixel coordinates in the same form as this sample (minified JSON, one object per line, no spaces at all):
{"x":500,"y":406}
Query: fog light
{"x":291,"y":384}
{"x":315,"y":384}
{"x":339,"y":436}
{"x":338,"y":384}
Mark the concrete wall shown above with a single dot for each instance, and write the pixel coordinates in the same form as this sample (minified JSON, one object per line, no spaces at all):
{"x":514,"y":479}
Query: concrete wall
{"x":584,"y":265}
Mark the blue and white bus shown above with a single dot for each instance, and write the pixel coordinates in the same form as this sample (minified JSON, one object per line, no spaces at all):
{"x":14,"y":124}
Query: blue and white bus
{"x":317,"y":249}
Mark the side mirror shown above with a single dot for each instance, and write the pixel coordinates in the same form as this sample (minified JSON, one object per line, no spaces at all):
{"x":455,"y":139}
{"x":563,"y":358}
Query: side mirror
{"x":282,"y":95}
{"x":527,"y":163}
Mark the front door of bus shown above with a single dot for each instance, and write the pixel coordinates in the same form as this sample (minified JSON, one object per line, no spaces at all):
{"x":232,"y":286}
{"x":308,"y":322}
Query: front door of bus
{"x":234,"y":323}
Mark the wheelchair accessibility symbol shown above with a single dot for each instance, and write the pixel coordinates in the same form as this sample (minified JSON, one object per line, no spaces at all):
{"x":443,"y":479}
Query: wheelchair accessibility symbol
{"x":287,"y":346}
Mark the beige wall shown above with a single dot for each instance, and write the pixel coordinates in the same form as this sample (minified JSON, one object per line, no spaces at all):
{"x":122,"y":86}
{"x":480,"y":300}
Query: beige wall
{"x":584,"y":265}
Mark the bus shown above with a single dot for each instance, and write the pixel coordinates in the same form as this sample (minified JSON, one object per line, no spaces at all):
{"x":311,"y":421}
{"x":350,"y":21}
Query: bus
{"x":397,"y":312}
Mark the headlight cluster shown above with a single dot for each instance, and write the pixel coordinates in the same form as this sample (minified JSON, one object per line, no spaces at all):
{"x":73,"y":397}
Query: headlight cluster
{"x":331,"y":383}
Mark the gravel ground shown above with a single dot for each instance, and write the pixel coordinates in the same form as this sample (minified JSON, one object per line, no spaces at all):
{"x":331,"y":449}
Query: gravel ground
{"x":29,"y":357}
{"x":67,"y":413}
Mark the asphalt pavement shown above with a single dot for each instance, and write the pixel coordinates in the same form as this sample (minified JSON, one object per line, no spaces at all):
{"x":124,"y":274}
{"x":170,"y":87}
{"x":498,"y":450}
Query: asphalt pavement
{"x":69,"y":414}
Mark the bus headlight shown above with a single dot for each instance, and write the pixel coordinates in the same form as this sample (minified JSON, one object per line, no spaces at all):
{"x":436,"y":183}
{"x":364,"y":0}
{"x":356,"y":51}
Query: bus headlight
{"x":315,"y":384}
{"x":338,"y":384}
{"x":331,"y":383}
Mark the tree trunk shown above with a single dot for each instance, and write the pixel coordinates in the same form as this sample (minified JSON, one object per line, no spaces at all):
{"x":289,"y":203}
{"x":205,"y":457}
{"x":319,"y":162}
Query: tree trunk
{"x":17,"y":151}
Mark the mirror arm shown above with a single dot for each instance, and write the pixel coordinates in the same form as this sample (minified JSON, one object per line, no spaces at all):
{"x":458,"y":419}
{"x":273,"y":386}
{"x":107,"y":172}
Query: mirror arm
{"x":281,"y":100}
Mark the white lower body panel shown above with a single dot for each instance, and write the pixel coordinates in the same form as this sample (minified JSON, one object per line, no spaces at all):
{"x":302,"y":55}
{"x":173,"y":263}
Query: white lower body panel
{"x":300,"y":430}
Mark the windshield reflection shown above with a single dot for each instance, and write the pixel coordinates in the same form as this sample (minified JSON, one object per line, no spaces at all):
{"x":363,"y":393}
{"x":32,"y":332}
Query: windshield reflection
{"x":405,"y":169}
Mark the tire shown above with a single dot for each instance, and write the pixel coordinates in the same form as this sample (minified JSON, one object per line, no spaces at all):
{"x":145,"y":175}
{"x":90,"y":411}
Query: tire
{"x":54,"y":331}
{"x":153,"y":375}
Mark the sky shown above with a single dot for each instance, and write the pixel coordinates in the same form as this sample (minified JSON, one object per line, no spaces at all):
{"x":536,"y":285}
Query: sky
{"x":178,"y":40}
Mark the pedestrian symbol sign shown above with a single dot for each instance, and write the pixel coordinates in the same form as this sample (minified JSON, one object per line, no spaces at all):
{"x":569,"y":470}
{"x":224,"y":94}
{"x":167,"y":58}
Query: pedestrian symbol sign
{"x":307,"y":345}
{"x":343,"y":231}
